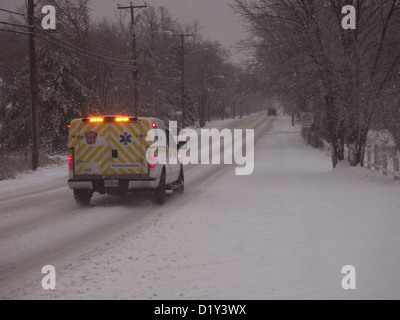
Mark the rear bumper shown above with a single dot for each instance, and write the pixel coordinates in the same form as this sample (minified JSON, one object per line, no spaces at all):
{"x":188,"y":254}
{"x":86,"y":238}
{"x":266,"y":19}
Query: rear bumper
{"x":151,"y":184}
{"x":80,"y":185}
{"x":124,"y":185}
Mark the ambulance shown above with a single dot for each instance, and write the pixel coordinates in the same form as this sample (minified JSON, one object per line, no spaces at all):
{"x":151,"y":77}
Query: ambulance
{"x":108,"y":155}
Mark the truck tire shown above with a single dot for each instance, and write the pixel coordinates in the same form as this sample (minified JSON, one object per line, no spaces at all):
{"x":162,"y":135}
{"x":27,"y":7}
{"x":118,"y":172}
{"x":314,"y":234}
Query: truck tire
{"x":160,"y":193}
{"x":83,"y":197}
{"x":181,"y":180}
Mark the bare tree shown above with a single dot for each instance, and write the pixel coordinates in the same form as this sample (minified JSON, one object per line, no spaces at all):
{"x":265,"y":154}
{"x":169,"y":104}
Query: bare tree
{"x":312,"y":63}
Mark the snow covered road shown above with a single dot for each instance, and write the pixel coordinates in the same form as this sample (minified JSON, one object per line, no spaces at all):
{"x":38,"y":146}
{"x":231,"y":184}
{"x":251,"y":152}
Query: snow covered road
{"x":40,"y":224}
{"x":284,"y":232}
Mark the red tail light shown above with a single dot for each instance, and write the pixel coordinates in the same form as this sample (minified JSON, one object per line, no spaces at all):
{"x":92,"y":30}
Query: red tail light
{"x":70,"y":162}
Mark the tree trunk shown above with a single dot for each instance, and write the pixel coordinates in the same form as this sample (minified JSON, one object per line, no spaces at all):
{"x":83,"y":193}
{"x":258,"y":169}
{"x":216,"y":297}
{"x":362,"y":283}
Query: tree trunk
{"x":334,"y":130}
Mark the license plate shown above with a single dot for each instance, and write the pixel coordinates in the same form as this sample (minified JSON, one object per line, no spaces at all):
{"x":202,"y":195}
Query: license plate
{"x":111,"y":183}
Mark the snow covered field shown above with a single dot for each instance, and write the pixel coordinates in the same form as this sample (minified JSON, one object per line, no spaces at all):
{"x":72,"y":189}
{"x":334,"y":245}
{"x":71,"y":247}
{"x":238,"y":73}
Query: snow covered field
{"x":284,"y":232}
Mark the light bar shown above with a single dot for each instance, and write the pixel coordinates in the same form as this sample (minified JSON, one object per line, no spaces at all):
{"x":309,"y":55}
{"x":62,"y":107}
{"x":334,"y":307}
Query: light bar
{"x":122,"y":119}
{"x":96,"y":120}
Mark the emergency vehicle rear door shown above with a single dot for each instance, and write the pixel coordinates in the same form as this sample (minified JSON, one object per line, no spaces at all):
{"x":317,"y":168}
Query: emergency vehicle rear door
{"x":128,"y":148}
{"x":93,"y":151}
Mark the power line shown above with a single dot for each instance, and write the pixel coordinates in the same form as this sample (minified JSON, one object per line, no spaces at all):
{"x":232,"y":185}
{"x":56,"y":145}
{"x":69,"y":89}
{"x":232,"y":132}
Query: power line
{"x":89,"y":42}
{"x":83,"y":50}
{"x":83,"y":54}
{"x":26,"y":26}
{"x":66,"y":43}
{"x":15,"y":24}
{"x":14,"y":31}
{"x":98,"y":45}
{"x":12,"y":12}
{"x":69,"y":49}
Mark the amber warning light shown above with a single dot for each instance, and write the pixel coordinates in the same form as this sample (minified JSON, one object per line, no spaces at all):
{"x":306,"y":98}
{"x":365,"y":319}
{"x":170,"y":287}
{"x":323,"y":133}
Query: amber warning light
{"x":96,"y":120}
{"x":122,"y":119}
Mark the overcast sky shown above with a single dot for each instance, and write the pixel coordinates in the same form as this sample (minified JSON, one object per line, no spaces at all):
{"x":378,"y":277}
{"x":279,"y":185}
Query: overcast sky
{"x":216,"y":16}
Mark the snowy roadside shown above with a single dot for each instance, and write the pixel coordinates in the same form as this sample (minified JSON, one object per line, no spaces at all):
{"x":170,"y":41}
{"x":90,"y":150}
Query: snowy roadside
{"x":30,"y":179}
{"x":284,"y":232}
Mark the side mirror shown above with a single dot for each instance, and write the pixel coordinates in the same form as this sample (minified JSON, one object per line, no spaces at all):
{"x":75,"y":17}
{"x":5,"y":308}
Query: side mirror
{"x":182,"y":145}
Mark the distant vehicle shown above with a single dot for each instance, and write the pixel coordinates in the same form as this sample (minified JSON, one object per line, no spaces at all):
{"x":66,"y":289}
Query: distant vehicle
{"x":108,"y":155}
{"x":272,"y":112}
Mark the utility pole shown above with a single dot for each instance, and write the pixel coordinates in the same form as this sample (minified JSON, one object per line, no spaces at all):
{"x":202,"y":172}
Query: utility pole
{"x":202,"y":120}
{"x":135,"y":57}
{"x":202,"y":114}
{"x":224,"y":103}
{"x":183,"y":106}
{"x":34,"y":86}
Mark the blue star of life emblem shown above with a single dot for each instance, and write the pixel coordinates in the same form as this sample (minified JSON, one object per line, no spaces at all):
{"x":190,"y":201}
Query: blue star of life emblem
{"x":125,"y":138}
